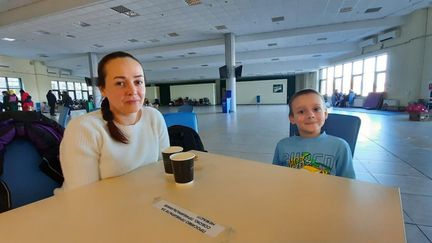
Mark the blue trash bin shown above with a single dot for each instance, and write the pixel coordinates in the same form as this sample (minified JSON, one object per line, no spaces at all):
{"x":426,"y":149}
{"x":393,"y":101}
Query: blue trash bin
{"x":226,"y":105}
{"x":258,"y":99}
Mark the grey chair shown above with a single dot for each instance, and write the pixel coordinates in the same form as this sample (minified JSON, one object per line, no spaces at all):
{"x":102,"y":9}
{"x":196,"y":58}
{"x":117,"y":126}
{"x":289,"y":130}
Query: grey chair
{"x":64,"y":116}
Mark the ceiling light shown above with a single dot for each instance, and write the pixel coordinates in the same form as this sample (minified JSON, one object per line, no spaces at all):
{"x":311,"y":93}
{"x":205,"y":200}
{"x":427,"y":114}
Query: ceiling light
{"x":272,"y":44}
{"x":345,"y":10}
{"x":192,"y":2}
{"x":278,"y":19}
{"x":8,"y":39}
{"x":322,"y":39}
{"x":173,"y":34}
{"x":192,"y":53}
{"x":373,"y":10}
{"x":131,"y":14}
{"x":275,"y":59}
{"x":220,"y":27}
{"x":70,"y":36}
{"x":133,"y":40}
{"x":204,"y":65}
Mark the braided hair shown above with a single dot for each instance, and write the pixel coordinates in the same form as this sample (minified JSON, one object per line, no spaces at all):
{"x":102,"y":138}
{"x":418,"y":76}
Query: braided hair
{"x":107,"y":114}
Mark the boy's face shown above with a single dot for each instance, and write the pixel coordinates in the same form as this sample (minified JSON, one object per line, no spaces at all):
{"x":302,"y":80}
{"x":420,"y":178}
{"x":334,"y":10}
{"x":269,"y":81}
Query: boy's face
{"x":309,"y":114}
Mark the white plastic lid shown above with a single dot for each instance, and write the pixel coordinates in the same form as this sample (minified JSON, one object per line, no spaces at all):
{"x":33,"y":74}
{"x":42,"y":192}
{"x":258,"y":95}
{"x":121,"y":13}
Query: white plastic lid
{"x":182,"y":156}
{"x":172,"y":149}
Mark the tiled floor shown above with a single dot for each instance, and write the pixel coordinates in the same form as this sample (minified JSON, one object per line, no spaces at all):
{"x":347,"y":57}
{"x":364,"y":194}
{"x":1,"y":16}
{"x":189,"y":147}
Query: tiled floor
{"x":391,"y":150}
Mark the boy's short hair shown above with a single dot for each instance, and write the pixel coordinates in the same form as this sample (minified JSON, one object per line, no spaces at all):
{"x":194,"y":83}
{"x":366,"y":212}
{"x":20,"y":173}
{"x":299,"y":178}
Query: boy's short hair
{"x":303,"y":92}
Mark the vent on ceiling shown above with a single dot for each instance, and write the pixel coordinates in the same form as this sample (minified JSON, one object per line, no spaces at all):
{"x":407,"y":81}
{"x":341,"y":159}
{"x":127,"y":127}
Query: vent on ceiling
{"x":42,"y":32}
{"x":43,"y":55}
{"x":345,"y":10}
{"x":173,"y":34}
{"x":4,"y":66}
{"x":220,"y":27}
{"x":159,"y":56}
{"x":133,"y":40}
{"x":70,"y":36}
{"x":98,"y":45}
{"x":123,"y":10}
{"x":322,"y":39}
{"x":317,"y":55}
{"x":272,"y":44}
{"x":373,"y":10}
{"x":204,"y":65}
{"x":192,"y":53}
{"x":65,"y":72}
{"x":82,"y":24}
{"x":154,"y":40}
{"x":182,"y":55}
{"x":278,"y":19}
{"x":274,"y":59}
{"x":389,"y":35}
{"x":192,"y":2}
{"x":175,"y":67}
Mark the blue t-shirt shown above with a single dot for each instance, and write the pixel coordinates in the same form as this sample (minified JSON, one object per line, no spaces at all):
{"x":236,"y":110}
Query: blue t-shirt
{"x":323,"y":154}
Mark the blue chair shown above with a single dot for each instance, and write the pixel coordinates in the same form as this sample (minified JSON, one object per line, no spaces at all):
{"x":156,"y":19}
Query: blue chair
{"x":344,"y":126}
{"x":64,"y":116}
{"x":188,"y":119}
{"x":185,"y":108}
{"x":21,"y":173}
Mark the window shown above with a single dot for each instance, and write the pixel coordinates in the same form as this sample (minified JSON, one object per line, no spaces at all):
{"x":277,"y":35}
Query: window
{"x":76,"y":90}
{"x":362,"y":76}
{"x":7,"y":84}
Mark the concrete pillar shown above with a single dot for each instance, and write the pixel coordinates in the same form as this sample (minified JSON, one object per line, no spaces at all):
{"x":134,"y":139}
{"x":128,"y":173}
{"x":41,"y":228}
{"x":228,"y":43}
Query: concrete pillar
{"x":230,"y":62}
{"x":93,"y":63}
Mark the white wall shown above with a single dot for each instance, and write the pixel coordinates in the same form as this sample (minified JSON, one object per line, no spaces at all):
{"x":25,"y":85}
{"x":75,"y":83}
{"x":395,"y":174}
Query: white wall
{"x":194,"y":91}
{"x":247,"y":92}
{"x":152,"y":93}
{"x":409,"y":58}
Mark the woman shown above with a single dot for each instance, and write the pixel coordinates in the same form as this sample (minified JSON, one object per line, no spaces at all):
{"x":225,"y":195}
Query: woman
{"x":120,"y":137}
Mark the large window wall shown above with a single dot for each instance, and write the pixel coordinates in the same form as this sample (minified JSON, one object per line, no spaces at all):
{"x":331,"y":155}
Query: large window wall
{"x":7,"y":84}
{"x":362,"y":76}
{"x":76,"y":90}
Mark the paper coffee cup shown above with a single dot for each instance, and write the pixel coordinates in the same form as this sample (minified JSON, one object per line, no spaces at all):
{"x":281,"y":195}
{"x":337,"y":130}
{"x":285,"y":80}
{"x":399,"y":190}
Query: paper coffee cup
{"x":183,"y":167}
{"x":166,"y":153}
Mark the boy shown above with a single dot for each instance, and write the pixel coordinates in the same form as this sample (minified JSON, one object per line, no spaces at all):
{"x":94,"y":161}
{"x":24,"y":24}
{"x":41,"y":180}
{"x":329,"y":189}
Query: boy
{"x":313,"y":150}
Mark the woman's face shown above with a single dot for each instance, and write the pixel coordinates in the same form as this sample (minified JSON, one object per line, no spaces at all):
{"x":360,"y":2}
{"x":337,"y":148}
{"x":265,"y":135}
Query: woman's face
{"x":124,"y":86}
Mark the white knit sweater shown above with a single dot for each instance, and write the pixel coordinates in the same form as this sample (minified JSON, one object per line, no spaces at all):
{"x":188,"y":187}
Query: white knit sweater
{"x":88,"y":153}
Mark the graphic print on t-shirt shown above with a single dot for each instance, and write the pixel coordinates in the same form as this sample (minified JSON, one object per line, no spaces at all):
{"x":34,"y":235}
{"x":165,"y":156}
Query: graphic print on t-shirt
{"x":317,"y":163}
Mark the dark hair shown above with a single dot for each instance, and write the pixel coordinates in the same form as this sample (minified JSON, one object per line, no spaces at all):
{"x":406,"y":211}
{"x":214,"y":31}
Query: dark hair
{"x":300,"y":93}
{"x":107,"y":114}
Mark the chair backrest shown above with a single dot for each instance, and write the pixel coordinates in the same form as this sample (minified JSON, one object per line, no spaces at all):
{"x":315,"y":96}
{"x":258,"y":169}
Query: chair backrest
{"x":188,"y":119}
{"x":22,"y":179}
{"x":64,"y":115}
{"x":185,"y":108}
{"x":344,"y":126}
{"x":185,"y":137}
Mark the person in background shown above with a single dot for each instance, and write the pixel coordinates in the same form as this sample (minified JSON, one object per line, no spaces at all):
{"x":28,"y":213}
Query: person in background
{"x":52,"y":100}
{"x":6,"y":106}
{"x":120,"y":137}
{"x":24,"y":96}
{"x":312,"y":150}
{"x":28,"y":104}
{"x":67,"y":101}
{"x":13,"y":101}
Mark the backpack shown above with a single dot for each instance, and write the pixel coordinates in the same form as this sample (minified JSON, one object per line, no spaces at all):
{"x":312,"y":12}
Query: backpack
{"x":44,"y":133}
{"x":185,"y":137}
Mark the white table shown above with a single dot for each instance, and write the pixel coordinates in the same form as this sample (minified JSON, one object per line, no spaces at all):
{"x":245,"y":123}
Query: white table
{"x":255,"y":202}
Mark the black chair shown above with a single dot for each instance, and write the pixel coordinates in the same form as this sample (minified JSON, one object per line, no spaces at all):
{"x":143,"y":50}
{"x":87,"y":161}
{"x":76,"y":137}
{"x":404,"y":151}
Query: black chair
{"x":185,"y":137}
{"x":344,"y":126}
